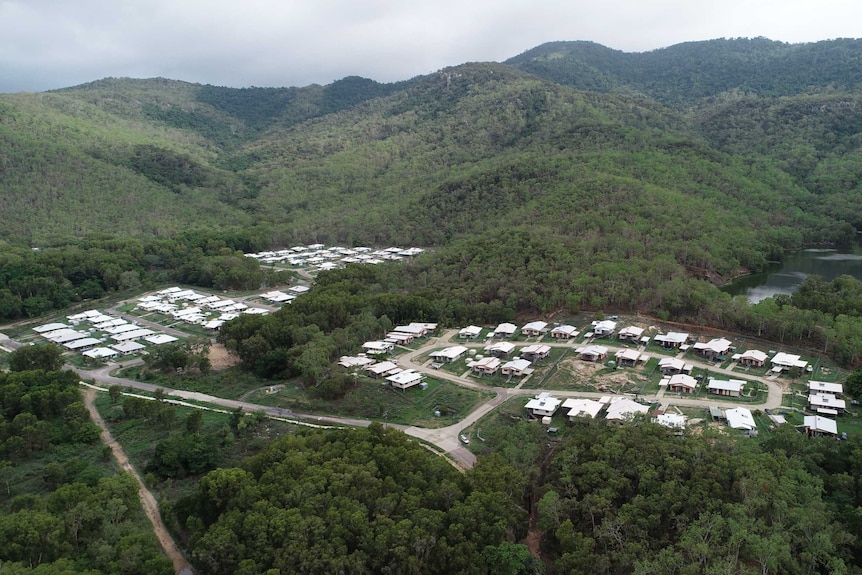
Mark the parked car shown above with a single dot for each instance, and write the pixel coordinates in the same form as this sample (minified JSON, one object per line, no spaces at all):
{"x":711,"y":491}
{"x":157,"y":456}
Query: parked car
{"x":464,"y":439}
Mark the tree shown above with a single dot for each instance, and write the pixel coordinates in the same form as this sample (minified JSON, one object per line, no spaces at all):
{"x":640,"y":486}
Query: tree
{"x":47,"y":357}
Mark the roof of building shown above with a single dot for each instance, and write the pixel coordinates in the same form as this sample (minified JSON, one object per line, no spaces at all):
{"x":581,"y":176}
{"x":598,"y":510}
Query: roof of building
{"x":821,"y":424}
{"x":501,"y":346}
{"x":83,"y":342}
{"x":740,"y":418}
{"x":160,"y":338}
{"x":565,"y":329}
{"x":543,"y":402}
{"x":825,"y":386}
{"x":726,"y":384}
{"x":453,"y":352}
{"x":788,"y":360}
{"x":624,"y":408}
{"x":683,"y":380}
{"x":535,"y":326}
{"x":470,"y":330}
{"x":672,"y":420}
{"x":128,"y":346}
{"x":516,"y":365}
{"x":582,"y":407}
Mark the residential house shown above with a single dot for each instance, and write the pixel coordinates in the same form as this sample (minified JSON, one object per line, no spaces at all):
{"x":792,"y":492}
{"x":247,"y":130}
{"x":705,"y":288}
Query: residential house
{"x":835,"y":389}
{"x":516,"y":368}
{"x":671,"y":339}
{"x":535,"y":352}
{"x":500,"y":348}
{"x":740,"y":418}
{"x":382,"y":369}
{"x":784,"y":361}
{"x":582,"y":408}
{"x":399,"y":338}
{"x":826,"y":404}
{"x":128,"y":347}
{"x":753,"y":358}
{"x":543,"y":405}
{"x":631,"y":333}
{"x":378,"y":347}
{"x":357,"y":361}
{"x":672,"y":366}
{"x":82,"y":344}
{"x":486,"y":366}
{"x":593,"y":353}
{"x":622,"y":409}
{"x":405,"y":379}
{"x":727,"y":387}
{"x":535,"y":328}
{"x":564,"y":332}
{"x":671,"y":420}
{"x":49,"y":327}
{"x":682,"y":383}
{"x":604,"y":328}
{"x":714,"y":349}
{"x":505,"y":330}
{"x":470,"y":332}
{"x":100,"y":353}
{"x":819,"y":425}
{"x":449,"y":355}
{"x":628,"y":357}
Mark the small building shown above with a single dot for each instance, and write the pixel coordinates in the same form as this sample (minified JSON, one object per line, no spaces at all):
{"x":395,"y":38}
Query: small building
{"x":682,"y":383}
{"x":535,"y":328}
{"x":378,"y":347}
{"x":631,"y":333}
{"x":405,"y":379}
{"x":414,"y":329}
{"x":470,"y":332}
{"x":82,"y":344}
{"x":450,"y":354}
{"x":594,"y":353}
{"x":582,"y":408}
{"x":505,"y":330}
{"x":132,"y":335}
{"x":535,"y":352}
{"x":819,"y":425}
{"x":382,"y":369}
{"x":486,"y":366}
{"x":564,"y":332}
{"x":121,"y":328}
{"x":354,"y":361}
{"x":500,"y":348}
{"x":753,"y":358}
{"x":628,"y":357}
{"x":604,"y":328}
{"x":516,"y":368}
{"x":49,"y":327}
{"x":717,"y":414}
{"x":826,"y":404}
{"x":100,"y":353}
{"x":835,"y":389}
{"x":783,"y":361}
{"x":62,"y":336}
{"x":726,"y":387}
{"x":740,"y":418}
{"x":543,"y":405}
{"x":715,"y":348}
{"x":399,"y":338}
{"x":671,"y":420}
{"x":622,"y":409}
{"x":672,"y":366}
{"x":160,"y":339}
{"x":128,"y":347}
{"x":672,"y":339}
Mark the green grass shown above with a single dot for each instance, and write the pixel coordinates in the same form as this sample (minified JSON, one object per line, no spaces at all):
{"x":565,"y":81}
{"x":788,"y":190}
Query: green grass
{"x":229,"y":384}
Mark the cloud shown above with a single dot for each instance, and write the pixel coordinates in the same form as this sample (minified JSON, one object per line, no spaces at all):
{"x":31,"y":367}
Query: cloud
{"x":51,"y":43}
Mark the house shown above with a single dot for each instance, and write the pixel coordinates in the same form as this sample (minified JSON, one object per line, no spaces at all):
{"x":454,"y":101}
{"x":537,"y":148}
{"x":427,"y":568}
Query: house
{"x":357,"y":361}
{"x":299,"y":289}
{"x":728,"y":387}
{"x":783,"y":361}
{"x":399,"y":338}
{"x":486,"y":366}
{"x":535,"y":352}
{"x":623,"y":408}
{"x":740,"y":418}
{"x":826,"y":403}
{"x":714,"y":349}
{"x":82,"y":344}
{"x":671,"y":420}
{"x":717,"y":414}
{"x":128,"y":347}
{"x":535,"y":328}
{"x":753,"y":358}
{"x":672,"y":366}
{"x":122,"y":328}
{"x":500,"y":348}
{"x":682,"y":383}
{"x":505,"y":330}
{"x":516,"y":368}
{"x":543,"y":405}
{"x":594,"y":353}
{"x":160,"y":338}
{"x":819,"y":425}
{"x":414,"y":329}
{"x":382,"y":369}
{"x":405,"y":379}
{"x":604,"y":328}
{"x":631,"y":333}
{"x":582,"y":408}
{"x":62,"y":336}
{"x":449,"y":355}
{"x":378,"y":347}
{"x":49,"y":327}
{"x":564,"y":332}
{"x":671,"y":339}
{"x":835,"y":389}
{"x":100,"y":353}
{"x":628,"y":357}
{"x":470,"y":332}
{"x":132,"y":335}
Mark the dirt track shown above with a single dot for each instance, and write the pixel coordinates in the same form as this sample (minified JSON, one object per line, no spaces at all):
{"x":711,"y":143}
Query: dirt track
{"x":148,"y":502}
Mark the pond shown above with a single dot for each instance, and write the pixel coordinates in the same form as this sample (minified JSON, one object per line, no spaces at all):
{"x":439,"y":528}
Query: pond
{"x":787,"y":276}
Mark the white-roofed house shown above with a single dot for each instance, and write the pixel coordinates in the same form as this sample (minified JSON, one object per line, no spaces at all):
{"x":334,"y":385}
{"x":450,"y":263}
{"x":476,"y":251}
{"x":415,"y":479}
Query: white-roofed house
{"x":604,"y":328}
{"x":714,"y":348}
{"x":414,"y":329}
{"x":382,"y":369}
{"x":399,"y":338}
{"x":781,"y":361}
{"x":543,"y":405}
{"x":64,"y":335}
{"x":128,"y":347}
{"x":516,"y":368}
{"x":628,"y":357}
{"x":132,"y":335}
{"x":671,"y":420}
{"x":470,"y":332}
{"x":581,"y":408}
{"x":740,"y":418}
{"x":682,"y":383}
{"x":449,"y":355}
{"x":672,"y":366}
{"x":505,"y":330}
{"x":500,"y":348}
{"x":486,"y":366}
{"x":100,"y":353}
{"x":535,"y":328}
{"x":727,"y":387}
{"x":673,"y":339}
{"x":753,"y":358}
{"x":564,"y":332}
{"x":826,"y":403}
{"x":622,"y":409}
{"x":160,"y":338}
{"x":49,"y":327}
{"x":405,"y":379}
{"x":819,"y":425}
{"x":631,"y":333}
{"x":535,"y":352}
{"x":354,"y":361}
{"x":82,"y":344}
{"x":378,"y":347}
{"x":593,"y":353}
{"x":835,"y":389}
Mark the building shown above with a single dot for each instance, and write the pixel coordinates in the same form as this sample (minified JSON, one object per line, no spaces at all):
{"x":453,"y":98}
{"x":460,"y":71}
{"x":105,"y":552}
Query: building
{"x":82,"y":344}
{"x":582,"y":408}
{"x":671,"y":339}
{"x":682,"y":383}
{"x":450,"y":354}
{"x":826,"y":404}
{"x":784,"y":361}
{"x":160,"y":338}
{"x":628,"y":357}
{"x":378,"y":347}
{"x":671,"y":420}
{"x":505,"y":330}
{"x":740,"y":418}
{"x":535,"y":328}
{"x":622,"y":409}
{"x":753,"y":358}
{"x":835,"y":389}
{"x":564,"y":332}
{"x":535,"y":352}
{"x":727,"y":387}
{"x":604,"y":328}
{"x":100,"y":353}
{"x":382,"y":369}
{"x":486,"y":366}
{"x":672,"y":366}
{"x":128,"y":347}
{"x":715,"y":348}
{"x":500,"y":348}
{"x":354,"y":361}
{"x":543,"y":405}
{"x":470,"y":332}
{"x":819,"y":425}
{"x":405,"y":379}
{"x":516,"y":368}
{"x":631,"y":333}
{"x":593,"y":353}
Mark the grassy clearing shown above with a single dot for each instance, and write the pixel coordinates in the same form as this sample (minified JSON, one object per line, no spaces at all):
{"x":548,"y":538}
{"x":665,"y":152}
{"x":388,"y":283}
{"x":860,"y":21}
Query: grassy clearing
{"x":230,"y":383}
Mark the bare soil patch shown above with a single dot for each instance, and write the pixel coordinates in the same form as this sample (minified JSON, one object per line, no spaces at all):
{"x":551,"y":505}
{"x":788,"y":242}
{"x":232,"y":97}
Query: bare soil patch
{"x":220,"y":358}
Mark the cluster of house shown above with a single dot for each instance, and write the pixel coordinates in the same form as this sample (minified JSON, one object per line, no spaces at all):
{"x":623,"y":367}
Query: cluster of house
{"x":189,"y":306}
{"x":400,"y":335}
{"x":280,"y":297}
{"x":89,"y":333}
{"x":320,"y":257}
{"x":616,"y":408}
{"x":533,"y":329}
{"x":387,"y":370}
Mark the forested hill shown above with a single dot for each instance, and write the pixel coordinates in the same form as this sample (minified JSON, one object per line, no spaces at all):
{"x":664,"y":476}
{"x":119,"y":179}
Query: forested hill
{"x":548,"y":187}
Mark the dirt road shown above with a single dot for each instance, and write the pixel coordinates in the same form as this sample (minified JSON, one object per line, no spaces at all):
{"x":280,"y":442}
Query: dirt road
{"x":148,"y":502}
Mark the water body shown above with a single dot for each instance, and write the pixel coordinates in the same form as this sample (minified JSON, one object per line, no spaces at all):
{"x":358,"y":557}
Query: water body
{"x":786,"y":277}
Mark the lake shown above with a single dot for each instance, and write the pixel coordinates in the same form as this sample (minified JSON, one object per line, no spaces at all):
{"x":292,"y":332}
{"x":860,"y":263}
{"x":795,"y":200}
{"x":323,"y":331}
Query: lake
{"x":786,"y":277}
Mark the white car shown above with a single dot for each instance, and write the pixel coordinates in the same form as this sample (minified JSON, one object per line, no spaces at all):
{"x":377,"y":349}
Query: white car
{"x":464,"y":439}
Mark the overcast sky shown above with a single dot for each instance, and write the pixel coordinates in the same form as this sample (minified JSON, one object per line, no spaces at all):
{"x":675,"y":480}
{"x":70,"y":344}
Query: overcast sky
{"x":47,"y":44}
